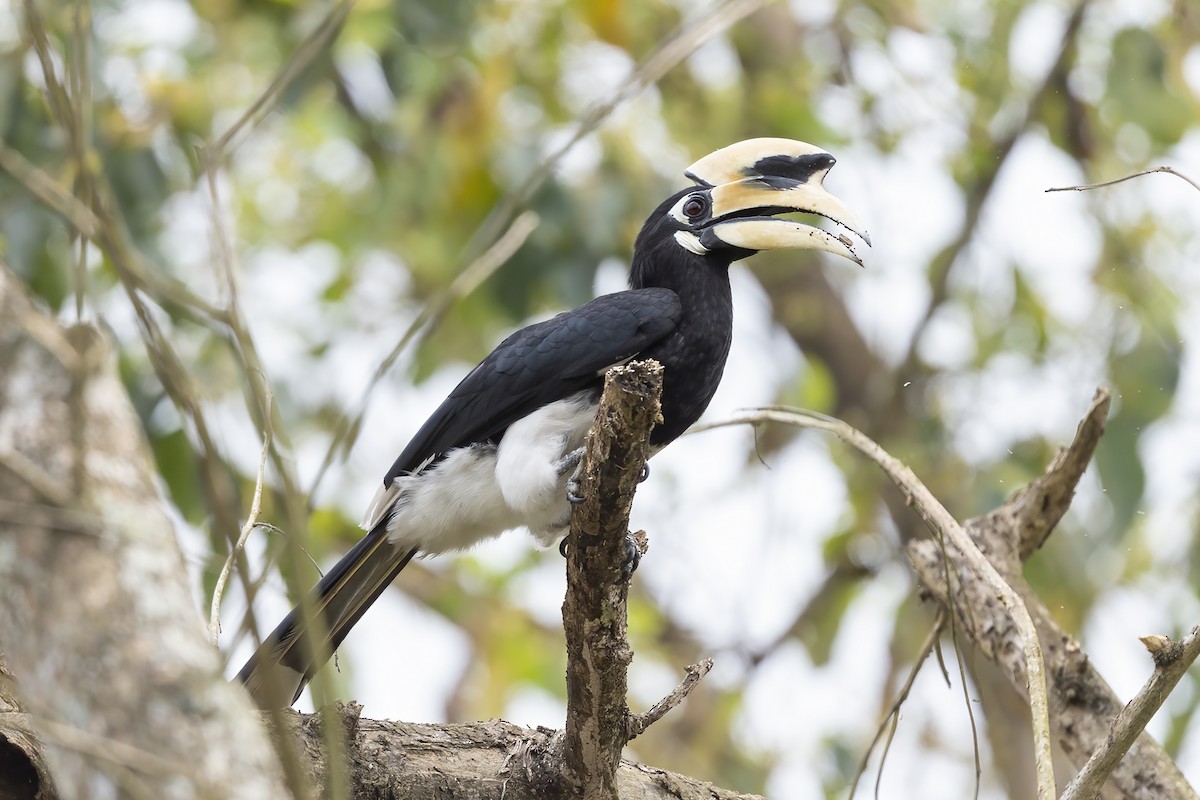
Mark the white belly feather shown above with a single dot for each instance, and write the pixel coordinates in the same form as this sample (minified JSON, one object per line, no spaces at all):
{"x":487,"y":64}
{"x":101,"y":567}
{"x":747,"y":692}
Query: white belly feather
{"x":477,"y":492}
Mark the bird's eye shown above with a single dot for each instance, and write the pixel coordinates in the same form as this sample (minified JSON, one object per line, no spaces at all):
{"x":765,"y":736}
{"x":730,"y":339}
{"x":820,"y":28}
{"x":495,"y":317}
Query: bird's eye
{"x":696,"y":206}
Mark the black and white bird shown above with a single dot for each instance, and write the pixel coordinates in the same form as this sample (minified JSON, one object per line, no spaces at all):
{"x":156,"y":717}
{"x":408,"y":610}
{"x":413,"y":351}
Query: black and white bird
{"x":498,"y":452}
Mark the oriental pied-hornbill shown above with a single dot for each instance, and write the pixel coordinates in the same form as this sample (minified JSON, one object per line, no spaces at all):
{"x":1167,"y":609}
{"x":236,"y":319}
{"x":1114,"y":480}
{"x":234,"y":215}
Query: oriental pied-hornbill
{"x":498,"y":452}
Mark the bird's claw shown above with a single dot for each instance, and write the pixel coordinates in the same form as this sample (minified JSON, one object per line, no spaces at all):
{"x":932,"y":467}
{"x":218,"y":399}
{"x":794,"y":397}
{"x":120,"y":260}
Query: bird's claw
{"x":644,"y":474}
{"x":572,"y":461}
{"x":633,"y":556}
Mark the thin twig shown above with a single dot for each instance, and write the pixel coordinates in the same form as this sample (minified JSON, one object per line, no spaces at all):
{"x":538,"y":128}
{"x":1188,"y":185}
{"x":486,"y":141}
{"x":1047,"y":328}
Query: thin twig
{"x":942,"y":522}
{"x":56,"y":94}
{"x":668,"y":55}
{"x":467,"y":281}
{"x":638,"y":723}
{"x":1171,"y":661}
{"x":81,"y":93}
{"x":214,"y":618}
{"x":48,"y":191}
{"x":35,"y":517}
{"x":962,"y":671}
{"x":305,"y":53}
{"x":953,"y":606}
{"x":276,"y":442}
{"x":894,"y":712}
{"x":1115,"y":181}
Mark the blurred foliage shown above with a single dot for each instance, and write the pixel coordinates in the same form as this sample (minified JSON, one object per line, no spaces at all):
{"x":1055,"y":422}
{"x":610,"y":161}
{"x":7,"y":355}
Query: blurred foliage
{"x":402,"y":135}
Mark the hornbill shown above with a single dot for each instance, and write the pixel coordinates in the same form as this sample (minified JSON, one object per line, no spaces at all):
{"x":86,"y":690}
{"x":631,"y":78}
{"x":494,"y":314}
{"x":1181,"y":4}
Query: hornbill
{"x":498,"y":452}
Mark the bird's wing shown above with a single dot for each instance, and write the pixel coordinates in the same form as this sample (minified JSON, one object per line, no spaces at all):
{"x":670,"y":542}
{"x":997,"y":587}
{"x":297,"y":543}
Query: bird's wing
{"x":540,"y":364}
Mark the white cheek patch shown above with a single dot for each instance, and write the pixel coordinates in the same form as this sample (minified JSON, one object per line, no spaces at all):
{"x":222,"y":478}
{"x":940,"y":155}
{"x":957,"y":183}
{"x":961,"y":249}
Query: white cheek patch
{"x":690,"y":241}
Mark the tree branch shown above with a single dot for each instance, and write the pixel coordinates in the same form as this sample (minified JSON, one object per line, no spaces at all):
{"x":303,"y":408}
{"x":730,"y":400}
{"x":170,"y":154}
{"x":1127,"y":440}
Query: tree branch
{"x":1171,"y":660}
{"x":1082,"y":703}
{"x":1115,"y":181}
{"x":638,"y":723}
{"x":594,"y":611}
{"x":474,"y":759}
{"x":952,"y":536}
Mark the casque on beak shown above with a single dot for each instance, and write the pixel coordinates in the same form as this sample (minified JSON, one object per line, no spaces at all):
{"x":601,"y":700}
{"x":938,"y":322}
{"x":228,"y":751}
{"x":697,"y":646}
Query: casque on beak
{"x":750,"y":182}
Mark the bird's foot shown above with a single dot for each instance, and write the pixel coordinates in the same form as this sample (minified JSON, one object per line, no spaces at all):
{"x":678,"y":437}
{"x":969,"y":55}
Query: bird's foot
{"x":572,"y":461}
{"x":633,"y":555}
{"x":644,"y":474}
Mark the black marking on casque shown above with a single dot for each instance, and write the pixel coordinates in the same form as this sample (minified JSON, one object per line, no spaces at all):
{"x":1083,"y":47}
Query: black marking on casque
{"x":790,"y":168}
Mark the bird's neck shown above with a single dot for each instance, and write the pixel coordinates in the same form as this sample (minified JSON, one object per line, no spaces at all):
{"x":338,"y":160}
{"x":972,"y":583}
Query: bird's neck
{"x":701,"y":283}
{"x":694,"y":355}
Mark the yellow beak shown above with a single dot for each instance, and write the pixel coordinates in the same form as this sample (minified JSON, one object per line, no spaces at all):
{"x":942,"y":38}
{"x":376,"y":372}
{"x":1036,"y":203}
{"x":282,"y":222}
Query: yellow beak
{"x":749,"y":182}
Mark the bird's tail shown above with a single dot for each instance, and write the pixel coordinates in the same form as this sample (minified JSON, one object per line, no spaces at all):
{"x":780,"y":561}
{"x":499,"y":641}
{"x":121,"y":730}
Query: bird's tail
{"x":287,"y":659}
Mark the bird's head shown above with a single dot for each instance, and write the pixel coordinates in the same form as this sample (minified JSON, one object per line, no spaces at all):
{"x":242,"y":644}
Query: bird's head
{"x":733,"y":210}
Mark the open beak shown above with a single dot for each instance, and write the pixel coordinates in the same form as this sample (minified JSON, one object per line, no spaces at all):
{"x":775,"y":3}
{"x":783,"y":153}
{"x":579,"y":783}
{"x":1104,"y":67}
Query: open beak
{"x":752,"y":181}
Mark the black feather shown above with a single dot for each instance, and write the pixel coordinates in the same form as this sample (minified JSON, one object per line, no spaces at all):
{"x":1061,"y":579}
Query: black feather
{"x":540,"y":364}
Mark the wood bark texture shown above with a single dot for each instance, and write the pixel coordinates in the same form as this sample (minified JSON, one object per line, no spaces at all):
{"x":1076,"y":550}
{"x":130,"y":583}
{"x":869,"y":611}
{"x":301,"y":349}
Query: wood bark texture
{"x":113,"y":670}
{"x":1082,"y":704}
{"x":594,"y":610}
{"x":492,"y":760}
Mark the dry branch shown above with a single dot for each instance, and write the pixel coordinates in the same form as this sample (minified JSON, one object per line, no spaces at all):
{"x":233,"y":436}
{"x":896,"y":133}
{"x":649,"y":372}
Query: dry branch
{"x":951,"y":536}
{"x":1082,"y":704}
{"x":638,"y":723}
{"x":1171,"y":660}
{"x":476,"y":759}
{"x":1103,"y":184}
{"x":594,"y":611}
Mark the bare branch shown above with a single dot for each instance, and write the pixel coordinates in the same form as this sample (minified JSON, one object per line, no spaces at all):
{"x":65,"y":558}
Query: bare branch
{"x":1082,"y":700}
{"x":1171,"y":661}
{"x":56,"y":94}
{"x":80,"y":76}
{"x":594,"y":610}
{"x":664,"y":58}
{"x":214,"y":618}
{"x":1115,"y":181}
{"x":304,"y":54}
{"x":467,"y":281}
{"x":115,"y":752}
{"x":1034,"y":511}
{"x":893,"y":715}
{"x":48,"y":191}
{"x":947,"y":528}
{"x":494,"y":759}
{"x":638,"y":723}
